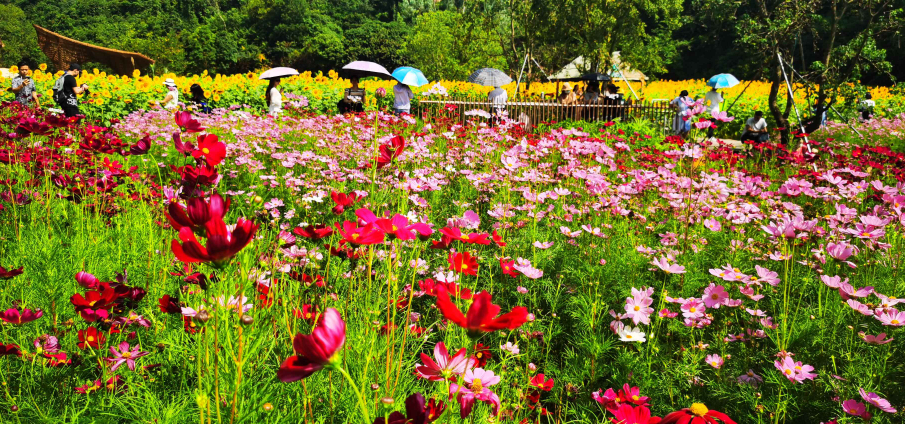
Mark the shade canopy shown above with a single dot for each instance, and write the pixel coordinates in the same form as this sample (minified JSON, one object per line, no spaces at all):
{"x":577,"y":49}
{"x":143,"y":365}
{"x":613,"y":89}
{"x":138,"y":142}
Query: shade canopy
{"x":409,"y":76}
{"x":278,"y":73}
{"x":364,"y":69}
{"x":592,"y":76}
{"x":490,"y":77}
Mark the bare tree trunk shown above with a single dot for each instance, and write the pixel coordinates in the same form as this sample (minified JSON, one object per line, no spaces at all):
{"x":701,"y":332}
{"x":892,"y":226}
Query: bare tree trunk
{"x":781,"y":119}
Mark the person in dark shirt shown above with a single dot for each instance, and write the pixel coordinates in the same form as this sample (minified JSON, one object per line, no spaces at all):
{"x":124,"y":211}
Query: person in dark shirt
{"x":198,"y":100}
{"x":71,"y":90}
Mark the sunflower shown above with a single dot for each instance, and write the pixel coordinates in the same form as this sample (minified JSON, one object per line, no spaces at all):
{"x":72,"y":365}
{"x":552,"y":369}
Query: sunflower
{"x":136,"y":73}
{"x":42,"y":67}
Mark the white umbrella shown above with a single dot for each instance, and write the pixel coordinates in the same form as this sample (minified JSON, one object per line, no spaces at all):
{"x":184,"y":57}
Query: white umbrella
{"x":278,"y":73}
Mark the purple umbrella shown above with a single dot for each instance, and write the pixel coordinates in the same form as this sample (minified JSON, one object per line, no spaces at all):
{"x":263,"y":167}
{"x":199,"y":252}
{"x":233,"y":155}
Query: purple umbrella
{"x":362,"y":69}
{"x":278,"y":73}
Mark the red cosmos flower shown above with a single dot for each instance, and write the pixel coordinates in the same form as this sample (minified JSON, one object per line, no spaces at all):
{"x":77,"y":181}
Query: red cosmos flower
{"x":57,"y":359}
{"x":307,"y":313}
{"x":416,"y":412}
{"x":464,"y":263}
{"x":33,"y":126}
{"x":169,"y":305}
{"x":181,"y":147}
{"x":315,"y":232}
{"x":184,"y":120}
{"x":222,"y":244}
{"x":696,"y":414}
{"x":197,"y":212}
{"x":192,"y":176}
{"x":539,"y":382}
{"x":498,"y":239}
{"x":633,"y":395}
{"x":211,"y":149}
{"x":473,"y":238}
{"x":354,"y":234}
{"x":23,"y":316}
{"x":308,"y":279}
{"x":432,"y":288}
{"x":343,"y":200}
{"x":91,"y":337}
{"x":508,"y":267}
{"x":481,"y":315}
{"x":395,"y":227}
{"x":10,"y":349}
{"x":481,"y":355}
{"x":443,"y":244}
{"x":315,"y":351}
{"x":87,"y":280}
{"x":141,"y":147}
{"x":189,"y":325}
{"x":626,"y":414}
{"x":388,"y":152}
{"x":6,"y":274}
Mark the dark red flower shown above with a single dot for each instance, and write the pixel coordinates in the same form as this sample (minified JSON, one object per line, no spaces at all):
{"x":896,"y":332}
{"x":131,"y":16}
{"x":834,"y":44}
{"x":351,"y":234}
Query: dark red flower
{"x":315,"y":232}
{"x":211,"y":149}
{"x":169,"y":305}
{"x":354,"y":234}
{"x":197,"y":212}
{"x":481,"y":355}
{"x":222,"y":244}
{"x":307,"y":313}
{"x":463,"y":262}
{"x":696,"y":414}
{"x":141,"y":147}
{"x":20,"y":316}
{"x":92,"y":338}
{"x":33,"y":126}
{"x":6,"y":274}
{"x":184,"y":148}
{"x":184,"y":120}
{"x":416,"y":412}
{"x":189,"y":325}
{"x":443,"y":244}
{"x":314,"y":352}
{"x":388,"y":152}
{"x":482,"y":314}
{"x":10,"y":349}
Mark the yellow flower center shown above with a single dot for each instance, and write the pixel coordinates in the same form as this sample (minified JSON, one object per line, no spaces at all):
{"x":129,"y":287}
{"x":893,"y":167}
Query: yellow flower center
{"x":395,"y":228}
{"x":464,"y":266}
{"x":205,"y":150}
{"x":895,"y":321}
{"x":692,"y":310}
{"x":127,"y":355}
{"x":89,"y":339}
{"x":788,"y":371}
{"x":635,"y":397}
{"x":110,"y":386}
{"x":699,"y":409}
{"x":714,"y":296}
{"x":476,"y":386}
{"x":865,"y":234}
{"x":750,"y":374}
{"x":628,"y":336}
{"x":354,"y":236}
{"x":637,"y":308}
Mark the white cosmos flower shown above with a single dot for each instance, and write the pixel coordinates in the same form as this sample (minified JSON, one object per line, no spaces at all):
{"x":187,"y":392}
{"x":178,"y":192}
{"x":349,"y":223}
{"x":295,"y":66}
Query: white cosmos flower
{"x":631,"y":334}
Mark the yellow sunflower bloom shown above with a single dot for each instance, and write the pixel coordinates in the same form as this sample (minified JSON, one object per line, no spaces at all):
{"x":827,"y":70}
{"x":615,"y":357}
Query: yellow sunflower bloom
{"x":42,"y":67}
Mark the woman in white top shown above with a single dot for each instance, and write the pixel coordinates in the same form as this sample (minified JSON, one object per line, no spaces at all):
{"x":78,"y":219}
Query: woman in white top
{"x":402,"y":98}
{"x":274,"y":98}
{"x":171,"y":101}
{"x":680,"y":104}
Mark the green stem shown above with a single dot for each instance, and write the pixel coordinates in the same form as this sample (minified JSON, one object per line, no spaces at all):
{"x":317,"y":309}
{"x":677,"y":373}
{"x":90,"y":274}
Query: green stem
{"x":361,"y":399}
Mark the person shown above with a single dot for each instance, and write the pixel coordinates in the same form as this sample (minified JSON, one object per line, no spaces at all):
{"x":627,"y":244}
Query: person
{"x":756,"y":129}
{"x":567,"y":97}
{"x":592,"y":94}
{"x":68,"y":90}
{"x":171,"y":101}
{"x":680,"y":104}
{"x":712,"y":99}
{"x":402,"y":98}
{"x":24,"y":87}
{"x":274,"y":98}
{"x":867,"y":107}
{"x":498,"y":98}
{"x":198,"y":99}
{"x":353,"y":98}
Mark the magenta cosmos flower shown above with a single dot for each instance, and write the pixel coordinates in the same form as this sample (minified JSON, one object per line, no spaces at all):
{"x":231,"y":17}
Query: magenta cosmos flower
{"x":125,"y":355}
{"x":16,"y":316}
{"x":444,"y":367}
{"x":714,"y":360}
{"x":477,"y":381}
{"x":665,"y":266}
{"x":853,"y":407}
{"x":875,"y":400}
{"x":314,"y":352}
{"x":879,"y":339}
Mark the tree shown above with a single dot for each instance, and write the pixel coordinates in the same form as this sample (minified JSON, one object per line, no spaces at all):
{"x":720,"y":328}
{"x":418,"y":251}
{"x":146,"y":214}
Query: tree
{"x":446,"y":46}
{"x":18,"y":36}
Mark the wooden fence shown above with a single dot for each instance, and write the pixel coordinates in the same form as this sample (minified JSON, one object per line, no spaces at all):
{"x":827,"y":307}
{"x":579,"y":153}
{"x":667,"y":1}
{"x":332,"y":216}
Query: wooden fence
{"x":536,"y":112}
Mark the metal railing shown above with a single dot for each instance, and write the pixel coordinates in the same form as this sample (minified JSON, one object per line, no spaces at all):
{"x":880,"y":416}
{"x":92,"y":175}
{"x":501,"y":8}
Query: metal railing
{"x":533,"y":113}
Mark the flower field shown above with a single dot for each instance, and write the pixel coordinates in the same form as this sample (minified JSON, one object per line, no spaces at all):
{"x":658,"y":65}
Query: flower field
{"x":113,"y":96}
{"x":372,"y":269}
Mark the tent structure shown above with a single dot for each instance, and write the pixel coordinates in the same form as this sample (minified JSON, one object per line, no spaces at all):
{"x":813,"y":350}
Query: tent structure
{"x":63,"y":50}
{"x":623,"y":71}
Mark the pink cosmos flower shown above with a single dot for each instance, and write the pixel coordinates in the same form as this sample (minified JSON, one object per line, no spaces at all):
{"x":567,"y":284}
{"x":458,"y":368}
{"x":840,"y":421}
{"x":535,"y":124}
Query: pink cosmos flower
{"x":853,"y":407}
{"x":524,"y":266}
{"x":17,"y":316}
{"x":847,"y":291}
{"x":722,"y":116}
{"x":125,"y":355}
{"x":477,"y":381}
{"x":879,"y":339}
{"x":840,"y":251}
{"x":665,"y":266}
{"x":714,"y":360}
{"x":750,"y":378}
{"x":714,"y":296}
{"x":767,"y":276}
{"x":443,"y":366}
{"x":796,"y":372}
{"x":638,"y":309}
{"x":693,"y":309}
{"x":892,"y":318}
{"x":666,"y":313}
{"x":860,"y":307}
{"x":833,"y":282}
{"x":875,"y":400}
{"x":713,"y":225}
{"x":608,"y":399}
{"x":544,"y":246}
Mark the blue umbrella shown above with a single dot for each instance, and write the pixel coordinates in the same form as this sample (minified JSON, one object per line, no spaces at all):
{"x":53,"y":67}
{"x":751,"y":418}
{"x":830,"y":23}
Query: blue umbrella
{"x":722,"y":81}
{"x":409,"y":76}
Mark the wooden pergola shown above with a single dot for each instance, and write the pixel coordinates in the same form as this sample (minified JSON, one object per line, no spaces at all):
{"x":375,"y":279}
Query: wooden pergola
{"x":63,"y":50}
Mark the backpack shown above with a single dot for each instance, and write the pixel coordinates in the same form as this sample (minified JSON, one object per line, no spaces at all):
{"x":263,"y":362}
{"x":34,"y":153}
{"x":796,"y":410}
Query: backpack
{"x":58,"y":97}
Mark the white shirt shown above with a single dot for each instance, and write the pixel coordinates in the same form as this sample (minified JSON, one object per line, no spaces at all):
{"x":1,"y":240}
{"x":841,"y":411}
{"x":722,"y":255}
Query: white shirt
{"x":868,"y":103}
{"x":276,"y":102}
{"x":402,"y":97}
{"x":174,"y":101}
{"x":498,"y":97}
{"x":591,"y":96}
{"x":755,"y":124}
{"x":714,"y":98}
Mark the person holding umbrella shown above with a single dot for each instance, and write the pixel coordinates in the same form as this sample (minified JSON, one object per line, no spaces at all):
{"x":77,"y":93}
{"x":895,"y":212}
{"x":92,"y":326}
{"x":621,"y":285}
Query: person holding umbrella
{"x":353,"y":98}
{"x":402,"y":93}
{"x":714,"y":98}
{"x":273,"y":96}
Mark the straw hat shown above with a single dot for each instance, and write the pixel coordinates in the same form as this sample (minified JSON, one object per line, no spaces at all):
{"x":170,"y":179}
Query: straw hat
{"x":169,"y":82}
{"x":566,"y":86}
